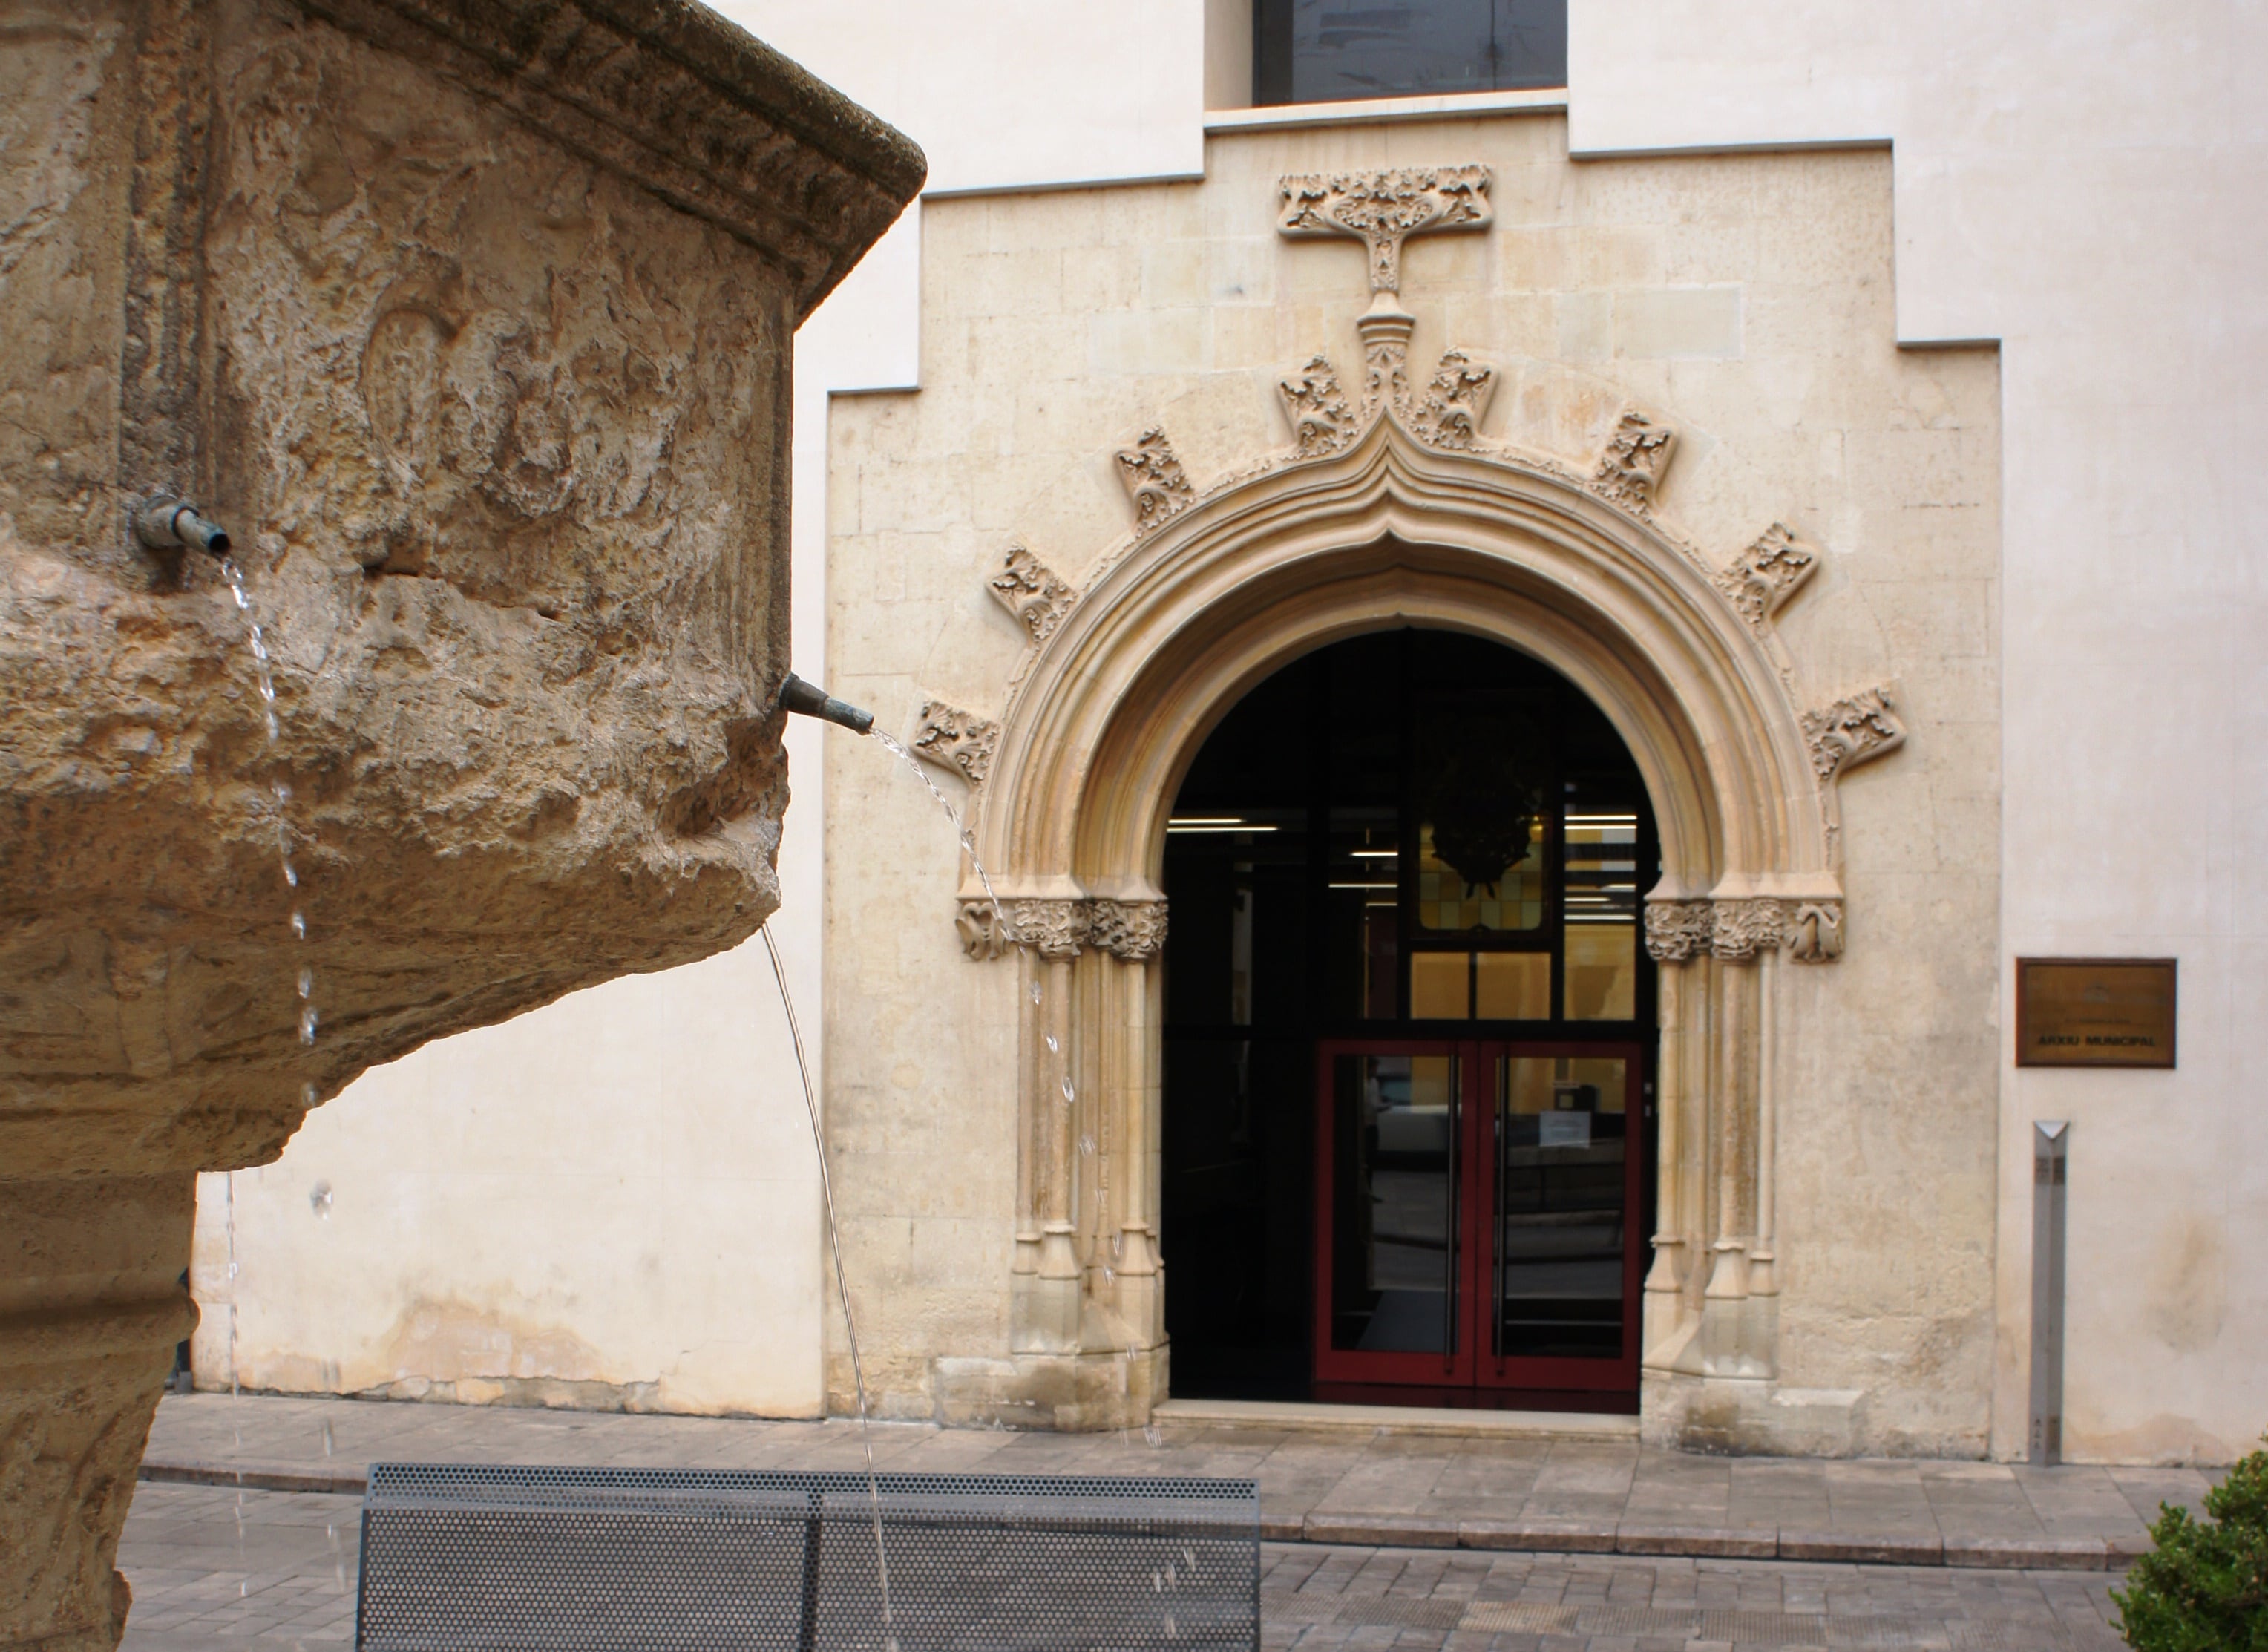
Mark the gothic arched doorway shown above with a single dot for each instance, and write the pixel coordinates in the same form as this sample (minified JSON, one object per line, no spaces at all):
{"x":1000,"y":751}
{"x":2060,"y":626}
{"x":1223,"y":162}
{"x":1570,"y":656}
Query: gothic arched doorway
{"x":1409,"y":1036}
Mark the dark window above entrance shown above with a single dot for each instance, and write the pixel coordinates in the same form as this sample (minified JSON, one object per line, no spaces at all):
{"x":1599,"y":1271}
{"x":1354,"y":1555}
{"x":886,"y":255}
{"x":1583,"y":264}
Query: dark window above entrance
{"x":1328,"y":51}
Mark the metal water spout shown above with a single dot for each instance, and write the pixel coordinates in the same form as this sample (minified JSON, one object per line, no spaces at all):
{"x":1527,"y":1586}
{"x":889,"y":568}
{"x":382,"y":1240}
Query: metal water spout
{"x":809,"y":698}
{"x":166,"y":523}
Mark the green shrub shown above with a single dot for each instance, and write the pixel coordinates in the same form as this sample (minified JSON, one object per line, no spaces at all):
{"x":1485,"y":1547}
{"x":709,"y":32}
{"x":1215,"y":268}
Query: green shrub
{"x":2205,"y":1589}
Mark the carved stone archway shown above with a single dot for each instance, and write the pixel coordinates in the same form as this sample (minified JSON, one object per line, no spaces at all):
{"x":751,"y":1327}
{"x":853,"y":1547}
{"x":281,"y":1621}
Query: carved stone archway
{"x":1391,"y":510}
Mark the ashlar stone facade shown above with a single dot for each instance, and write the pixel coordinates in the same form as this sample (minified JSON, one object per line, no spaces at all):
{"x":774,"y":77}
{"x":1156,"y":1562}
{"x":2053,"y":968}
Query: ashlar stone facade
{"x":1681,"y":373}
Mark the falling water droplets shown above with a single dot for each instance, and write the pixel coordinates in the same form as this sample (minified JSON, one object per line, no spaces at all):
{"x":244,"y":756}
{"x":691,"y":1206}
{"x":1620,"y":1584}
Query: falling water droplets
{"x":960,"y":831}
{"x":1069,"y":1094}
{"x":1053,"y":1047}
{"x":263,"y":666}
{"x":1086,"y":1147}
{"x":1036,"y":992}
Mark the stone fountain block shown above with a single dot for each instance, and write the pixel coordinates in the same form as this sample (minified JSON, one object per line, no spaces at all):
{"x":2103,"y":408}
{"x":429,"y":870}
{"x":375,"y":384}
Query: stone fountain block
{"x":471,"y":321}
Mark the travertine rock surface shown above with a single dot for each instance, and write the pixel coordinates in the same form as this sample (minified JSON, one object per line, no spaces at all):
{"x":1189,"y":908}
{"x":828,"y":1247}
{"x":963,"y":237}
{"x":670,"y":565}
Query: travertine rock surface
{"x":471,"y":322}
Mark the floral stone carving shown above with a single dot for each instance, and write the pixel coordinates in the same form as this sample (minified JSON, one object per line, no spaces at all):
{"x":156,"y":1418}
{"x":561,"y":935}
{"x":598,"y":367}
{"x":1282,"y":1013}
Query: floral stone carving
{"x":1766,"y":574}
{"x":1852,"y":731}
{"x":1323,"y":421}
{"x":1027,"y":590}
{"x":1677,"y":930}
{"x":1449,"y":415}
{"x":1154,"y":480}
{"x":1384,"y":209}
{"x":1131,"y":930}
{"x":1637,"y":454}
{"x":957,"y":740}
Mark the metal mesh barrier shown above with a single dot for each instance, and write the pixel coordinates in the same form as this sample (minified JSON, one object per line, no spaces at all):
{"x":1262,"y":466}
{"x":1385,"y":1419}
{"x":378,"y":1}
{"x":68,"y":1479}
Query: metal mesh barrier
{"x":506,"y":1558}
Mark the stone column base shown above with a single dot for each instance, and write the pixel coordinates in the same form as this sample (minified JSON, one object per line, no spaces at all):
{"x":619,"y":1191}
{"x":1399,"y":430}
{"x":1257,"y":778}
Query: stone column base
{"x":1067,"y":1392}
{"x":1743,"y":1417}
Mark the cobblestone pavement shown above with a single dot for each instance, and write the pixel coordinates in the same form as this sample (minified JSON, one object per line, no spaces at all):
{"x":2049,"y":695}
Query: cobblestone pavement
{"x":213,"y":1568}
{"x":1375,"y":1486}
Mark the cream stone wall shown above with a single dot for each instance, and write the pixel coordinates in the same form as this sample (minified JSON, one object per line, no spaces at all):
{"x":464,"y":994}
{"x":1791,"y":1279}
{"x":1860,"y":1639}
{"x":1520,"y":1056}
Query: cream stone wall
{"x":2083,"y":183}
{"x":1746,"y":301}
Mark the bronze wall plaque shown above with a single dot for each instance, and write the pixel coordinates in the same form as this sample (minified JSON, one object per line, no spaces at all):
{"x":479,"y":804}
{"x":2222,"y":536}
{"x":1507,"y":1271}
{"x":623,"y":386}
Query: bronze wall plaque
{"x":2095,"y":1012}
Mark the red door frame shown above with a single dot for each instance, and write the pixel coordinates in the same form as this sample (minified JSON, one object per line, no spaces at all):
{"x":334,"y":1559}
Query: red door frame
{"x":1475,"y":1363}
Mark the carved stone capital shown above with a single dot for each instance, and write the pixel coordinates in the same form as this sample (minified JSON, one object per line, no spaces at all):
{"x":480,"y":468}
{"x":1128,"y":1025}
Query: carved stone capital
{"x":1383,"y":209}
{"x":956,"y":740}
{"x":1027,"y":590}
{"x":1154,"y":480}
{"x":1323,"y":421}
{"x":1744,"y":928}
{"x":1814,"y":930}
{"x":1054,"y":928}
{"x":1852,"y":731}
{"x":1131,"y":930}
{"x":1766,"y":574}
{"x":1637,"y":454}
{"x":984,"y":936}
{"x":1677,"y":931}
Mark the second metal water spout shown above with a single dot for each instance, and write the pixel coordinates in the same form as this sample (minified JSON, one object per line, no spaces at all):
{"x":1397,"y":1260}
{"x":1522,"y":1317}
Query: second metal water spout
{"x":810,"y":699}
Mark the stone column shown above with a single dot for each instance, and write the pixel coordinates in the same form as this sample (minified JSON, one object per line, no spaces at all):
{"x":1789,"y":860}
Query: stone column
{"x":1132,"y":933}
{"x":1048,"y":1300}
{"x":1677,"y":939}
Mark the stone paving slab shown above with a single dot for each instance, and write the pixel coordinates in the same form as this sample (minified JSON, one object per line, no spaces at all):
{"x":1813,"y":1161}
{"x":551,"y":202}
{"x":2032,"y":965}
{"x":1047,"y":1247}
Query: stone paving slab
{"x":1425,"y":1490}
{"x":219,"y":1569}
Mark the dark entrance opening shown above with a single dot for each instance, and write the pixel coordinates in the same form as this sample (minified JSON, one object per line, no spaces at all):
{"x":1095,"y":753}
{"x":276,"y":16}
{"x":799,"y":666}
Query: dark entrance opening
{"x":1409,"y":1037}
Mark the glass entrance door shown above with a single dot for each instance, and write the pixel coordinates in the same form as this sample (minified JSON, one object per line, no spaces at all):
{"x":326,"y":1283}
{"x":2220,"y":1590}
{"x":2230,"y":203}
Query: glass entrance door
{"x":1474,"y":1205}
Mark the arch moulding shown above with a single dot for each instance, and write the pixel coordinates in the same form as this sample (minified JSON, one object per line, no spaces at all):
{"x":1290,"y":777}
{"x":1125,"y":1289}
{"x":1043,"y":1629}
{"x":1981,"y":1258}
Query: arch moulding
{"x":1386,"y":512}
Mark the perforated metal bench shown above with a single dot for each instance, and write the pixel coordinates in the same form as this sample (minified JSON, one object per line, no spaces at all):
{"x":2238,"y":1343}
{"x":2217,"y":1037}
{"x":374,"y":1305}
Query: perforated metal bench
{"x":494,"y":1559}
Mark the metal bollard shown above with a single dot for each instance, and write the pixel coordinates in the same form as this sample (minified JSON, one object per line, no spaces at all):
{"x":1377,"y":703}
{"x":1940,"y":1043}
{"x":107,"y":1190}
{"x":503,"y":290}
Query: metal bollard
{"x":2051,"y":1154}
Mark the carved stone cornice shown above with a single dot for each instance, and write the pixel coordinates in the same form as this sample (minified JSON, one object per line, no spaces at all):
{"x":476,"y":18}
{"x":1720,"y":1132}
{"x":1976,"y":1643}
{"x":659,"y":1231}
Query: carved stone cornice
{"x":1027,"y":590}
{"x":1061,"y":928}
{"x":1677,"y":931}
{"x":1854,"y":730}
{"x":670,"y":96}
{"x":1053,"y":928}
{"x":1384,"y":209}
{"x":1629,"y":469}
{"x":1766,"y":574}
{"x":956,"y":740}
{"x":1131,"y":930}
{"x":1810,"y":928}
{"x":1154,"y":481}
